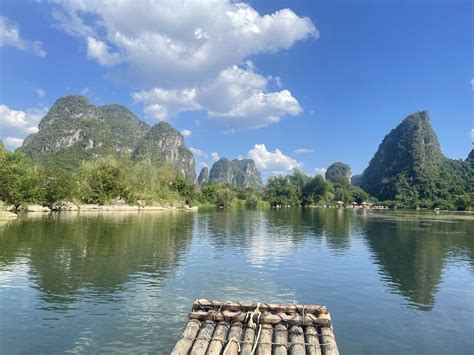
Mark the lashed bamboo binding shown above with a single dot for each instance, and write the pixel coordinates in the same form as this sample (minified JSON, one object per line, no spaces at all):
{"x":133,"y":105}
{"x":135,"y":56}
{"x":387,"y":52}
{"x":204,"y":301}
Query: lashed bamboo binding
{"x":229,"y":328}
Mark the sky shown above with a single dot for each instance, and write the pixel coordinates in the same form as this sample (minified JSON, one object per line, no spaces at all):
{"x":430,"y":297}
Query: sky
{"x":290,"y":84}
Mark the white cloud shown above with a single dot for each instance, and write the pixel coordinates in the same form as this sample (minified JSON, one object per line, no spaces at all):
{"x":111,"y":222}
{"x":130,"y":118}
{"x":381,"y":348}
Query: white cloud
{"x":99,"y":51}
{"x":272,"y":162}
{"x":198,"y":153}
{"x":471,"y":133}
{"x":209,"y":36}
{"x":40,"y":92}
{"x":303,"y":151}
{"x":472,"y":84}
{"x":162,"y":104}
{"x":10,"y":36}
{"x":237,"y":98}
{"x":193,"y":63}
{"x":13,"y":142}
{"x":320,"y":171}
{"x":215,"y":156}
{"x":18,"y":124}
{"x":186,"y":133}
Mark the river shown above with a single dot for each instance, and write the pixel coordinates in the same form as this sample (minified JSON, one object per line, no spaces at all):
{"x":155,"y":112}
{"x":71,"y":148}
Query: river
{"x":394,"y":282}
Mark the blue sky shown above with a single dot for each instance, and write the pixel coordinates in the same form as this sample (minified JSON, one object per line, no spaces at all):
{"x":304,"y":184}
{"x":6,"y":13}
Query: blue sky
{"x":287,"y":83}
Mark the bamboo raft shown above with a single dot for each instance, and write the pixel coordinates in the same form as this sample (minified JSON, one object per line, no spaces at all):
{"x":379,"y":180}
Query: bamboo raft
{"x":247,"y":328}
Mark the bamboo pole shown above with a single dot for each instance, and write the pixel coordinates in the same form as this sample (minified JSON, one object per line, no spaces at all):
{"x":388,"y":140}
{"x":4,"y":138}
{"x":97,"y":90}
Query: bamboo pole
{"x":264,"y":318}
{"x":280,"y":337}
{"x":329,"y":346}
{"x":249,"y":337}
{"x":312,"y":341}
{"x":264,"y":346}
{"x":202,"y":340}
{"x":235,"y":332}
{"x":297,"y":341}
{"x":250,"y":306}
{"x":218,"y":339}
{"x":187,"y":338}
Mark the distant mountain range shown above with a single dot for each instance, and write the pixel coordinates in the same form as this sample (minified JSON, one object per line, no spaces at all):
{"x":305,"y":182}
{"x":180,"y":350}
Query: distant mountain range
{"x":408,"y":164}
{"x":74,"y":130}
{"x":237,"y":172}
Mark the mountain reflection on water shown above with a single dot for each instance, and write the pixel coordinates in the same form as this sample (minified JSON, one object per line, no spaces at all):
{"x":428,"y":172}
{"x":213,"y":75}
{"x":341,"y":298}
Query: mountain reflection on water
{"x":129,"y":266}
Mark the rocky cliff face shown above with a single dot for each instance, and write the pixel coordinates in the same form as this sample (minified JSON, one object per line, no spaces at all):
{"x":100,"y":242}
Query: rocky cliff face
{"x":163,"y":143}
{"x":203,"y":176}
{"x":339,"y":173}
{"x":411,"y":149}
{"x":74,"y":130}
{"x":240,"y":173}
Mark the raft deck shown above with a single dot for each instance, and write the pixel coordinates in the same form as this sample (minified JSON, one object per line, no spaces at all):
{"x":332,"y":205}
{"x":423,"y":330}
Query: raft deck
{"x":229,"y":328}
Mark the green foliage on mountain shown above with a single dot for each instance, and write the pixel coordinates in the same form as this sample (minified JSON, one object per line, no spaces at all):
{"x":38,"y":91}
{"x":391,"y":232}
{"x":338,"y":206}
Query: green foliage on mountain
{"x":74,"y":131}
{"x":203,"y":177}
{"x":410,"y":170}
{"x":164,"y":144}
{"x":127,"y":129}
{"x":339,"y":173}
{"x":238,"y":173}
{"x":411,"y":149}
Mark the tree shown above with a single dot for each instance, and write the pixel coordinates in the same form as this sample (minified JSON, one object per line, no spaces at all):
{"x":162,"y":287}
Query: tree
{"x":281,"y":192}
{"x":102,"y":180}
{"x":299,"y":179}
{"x":463,"y":202}
{"x":315,"y":190}
{"x":13,"y":181}
{"x":185,"y":188}
{"x":225,"y":196}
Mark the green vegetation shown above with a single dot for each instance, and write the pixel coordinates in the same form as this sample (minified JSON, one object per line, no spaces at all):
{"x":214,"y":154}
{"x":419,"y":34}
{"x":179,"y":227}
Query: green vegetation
{"x":106,"y":180}
{"x":300,"y":189}
{"x":410,"y":171}
{"x":74,"y":130}
{"x":339,"y":173}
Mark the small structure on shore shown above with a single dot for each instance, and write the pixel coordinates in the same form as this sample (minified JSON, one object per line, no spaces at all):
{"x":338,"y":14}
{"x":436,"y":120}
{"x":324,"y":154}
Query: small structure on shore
{"x":216,"y":327}
{"x":340,"y":204}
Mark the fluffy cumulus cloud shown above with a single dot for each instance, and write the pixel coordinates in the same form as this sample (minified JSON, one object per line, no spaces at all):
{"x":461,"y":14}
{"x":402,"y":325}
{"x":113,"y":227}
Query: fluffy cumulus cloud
{"x":194,"y":63}
{"x":10,"y":36}
{"x":237,"y":98}
{"x":99,"y":51}
{"x":198,"y":153}
{"x":162,"y":104}
{"x":16,"y":124}
{"x":272,"y":163}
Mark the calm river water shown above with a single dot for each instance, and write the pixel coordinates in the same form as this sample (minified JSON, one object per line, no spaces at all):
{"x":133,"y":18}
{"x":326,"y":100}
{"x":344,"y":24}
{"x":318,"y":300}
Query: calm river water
{"x":80,"y":283}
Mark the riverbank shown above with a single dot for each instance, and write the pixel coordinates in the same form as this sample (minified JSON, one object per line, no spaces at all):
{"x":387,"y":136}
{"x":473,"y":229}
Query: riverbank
{"x":12,"y":213}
